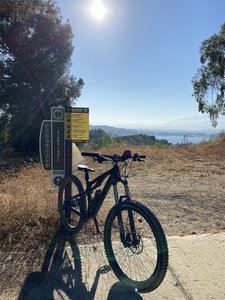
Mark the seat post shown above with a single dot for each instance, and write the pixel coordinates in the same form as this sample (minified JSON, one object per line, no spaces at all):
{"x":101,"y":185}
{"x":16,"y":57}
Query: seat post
{"x":86,"y":176}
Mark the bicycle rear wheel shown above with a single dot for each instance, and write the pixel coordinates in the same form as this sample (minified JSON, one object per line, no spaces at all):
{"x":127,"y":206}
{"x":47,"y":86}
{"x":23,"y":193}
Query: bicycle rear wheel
{"x":141,"y":262}
{"x":71,"y":204}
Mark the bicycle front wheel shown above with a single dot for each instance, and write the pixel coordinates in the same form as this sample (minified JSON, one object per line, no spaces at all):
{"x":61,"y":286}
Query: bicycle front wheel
{"x":71,"y":204}
{"x":139,"y":260}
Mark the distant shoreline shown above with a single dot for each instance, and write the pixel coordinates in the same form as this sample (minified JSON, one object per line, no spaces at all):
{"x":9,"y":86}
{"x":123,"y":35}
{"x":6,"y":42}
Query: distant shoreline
{"x":173,"y":136}
{"x":185,"y":139}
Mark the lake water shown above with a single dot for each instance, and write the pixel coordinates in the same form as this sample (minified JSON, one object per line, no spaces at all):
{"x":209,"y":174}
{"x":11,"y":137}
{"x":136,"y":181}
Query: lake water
{"x":178,"y":139}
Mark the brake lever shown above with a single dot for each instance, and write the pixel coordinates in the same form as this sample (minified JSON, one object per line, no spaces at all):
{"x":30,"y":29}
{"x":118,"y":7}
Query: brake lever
{"x":100,"y":160}
{"x":94,"y":159}
{"x":138,"y":159}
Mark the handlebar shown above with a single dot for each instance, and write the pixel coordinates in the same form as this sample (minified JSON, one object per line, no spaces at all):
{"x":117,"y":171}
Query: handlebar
{"x":115,"y":158}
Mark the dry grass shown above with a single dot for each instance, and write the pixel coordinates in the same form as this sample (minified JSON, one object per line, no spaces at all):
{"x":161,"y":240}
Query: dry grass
{"x":29,"y":204}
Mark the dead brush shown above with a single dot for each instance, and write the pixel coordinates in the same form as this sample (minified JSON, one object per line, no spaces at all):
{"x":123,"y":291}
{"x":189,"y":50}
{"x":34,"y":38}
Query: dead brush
{"x":28,"y":207}
{"x":29,"y":212}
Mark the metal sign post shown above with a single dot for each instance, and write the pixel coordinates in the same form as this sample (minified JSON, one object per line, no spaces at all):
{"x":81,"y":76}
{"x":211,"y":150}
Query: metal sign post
{"x":58,"y":145}
{"x":68,"y":172}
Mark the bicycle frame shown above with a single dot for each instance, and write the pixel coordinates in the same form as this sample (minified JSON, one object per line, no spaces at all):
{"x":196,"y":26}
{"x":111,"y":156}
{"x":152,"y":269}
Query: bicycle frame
{"x":95,"y":203}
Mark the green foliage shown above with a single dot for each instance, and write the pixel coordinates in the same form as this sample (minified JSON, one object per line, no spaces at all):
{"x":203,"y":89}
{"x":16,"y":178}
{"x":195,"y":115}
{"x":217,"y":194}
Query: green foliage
{"x":98,"y":139}
{"x":142,"y":140}
{"x":35,"y":51}
{"x":209,"y":82}
{"x":95,"y":135}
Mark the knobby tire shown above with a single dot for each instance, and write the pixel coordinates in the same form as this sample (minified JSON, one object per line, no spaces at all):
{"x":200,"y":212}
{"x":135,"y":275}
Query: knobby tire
{"x":71,"y":210}
{"x":143,"y":266}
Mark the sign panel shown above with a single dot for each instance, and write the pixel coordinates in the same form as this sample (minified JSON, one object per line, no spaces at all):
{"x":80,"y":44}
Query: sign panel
{"x":77,"y":124}
{"x":45,"y":144}
{"x":57,"y":177}
{"x":58,"y":145}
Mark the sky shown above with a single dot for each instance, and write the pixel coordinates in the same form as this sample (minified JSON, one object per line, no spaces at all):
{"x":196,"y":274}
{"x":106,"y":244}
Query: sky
{"x":137,"y":58}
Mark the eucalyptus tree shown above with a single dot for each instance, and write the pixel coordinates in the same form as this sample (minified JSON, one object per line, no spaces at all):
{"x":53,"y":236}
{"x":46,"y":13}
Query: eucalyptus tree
{"x":35,"y":57}
{"x":209,"y":82}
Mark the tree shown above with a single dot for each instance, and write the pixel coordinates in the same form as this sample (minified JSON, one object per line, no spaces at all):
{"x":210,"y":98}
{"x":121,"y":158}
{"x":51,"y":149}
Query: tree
{"x":209,"y":82}
{"x":99,"y":138}
{"x":35,"y":52}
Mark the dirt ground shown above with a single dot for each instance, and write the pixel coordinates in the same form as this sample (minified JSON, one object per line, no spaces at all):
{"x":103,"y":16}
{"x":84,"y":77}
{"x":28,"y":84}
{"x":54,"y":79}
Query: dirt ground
{"x":184,"y":187}
{"x":185,"y":192}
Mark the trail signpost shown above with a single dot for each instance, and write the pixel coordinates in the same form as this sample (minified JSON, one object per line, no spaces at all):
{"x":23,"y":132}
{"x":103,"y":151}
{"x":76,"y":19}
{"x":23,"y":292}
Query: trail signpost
{"x":67,"y":125}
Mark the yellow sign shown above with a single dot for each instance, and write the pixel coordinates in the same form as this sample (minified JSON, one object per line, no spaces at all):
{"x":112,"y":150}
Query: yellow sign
{"x":77,"y":124}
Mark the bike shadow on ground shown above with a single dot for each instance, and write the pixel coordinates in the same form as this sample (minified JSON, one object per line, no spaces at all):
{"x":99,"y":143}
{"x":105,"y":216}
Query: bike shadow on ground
{"x":118,"y":291}
{"x":61,"y":276}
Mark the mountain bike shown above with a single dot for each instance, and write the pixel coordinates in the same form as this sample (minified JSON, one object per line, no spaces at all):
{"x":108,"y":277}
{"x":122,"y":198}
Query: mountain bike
{"x":134,"y":241}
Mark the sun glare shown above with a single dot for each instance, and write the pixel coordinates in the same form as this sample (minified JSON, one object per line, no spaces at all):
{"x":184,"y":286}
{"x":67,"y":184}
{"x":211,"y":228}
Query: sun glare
{"x":98,"y":10}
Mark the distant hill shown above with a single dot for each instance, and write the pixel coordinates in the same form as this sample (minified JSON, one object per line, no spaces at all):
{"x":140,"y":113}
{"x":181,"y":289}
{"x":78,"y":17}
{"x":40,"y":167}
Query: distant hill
{"x":114,"y":130}
{"x":100,"y":138}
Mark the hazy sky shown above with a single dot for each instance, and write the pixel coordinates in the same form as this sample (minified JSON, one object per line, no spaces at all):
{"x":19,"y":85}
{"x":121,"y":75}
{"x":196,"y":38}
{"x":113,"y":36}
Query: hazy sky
{"x":137,"y":57}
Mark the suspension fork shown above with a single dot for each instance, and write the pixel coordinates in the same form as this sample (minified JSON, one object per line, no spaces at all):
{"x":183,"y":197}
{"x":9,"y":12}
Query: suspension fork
{"x":119,"y":215}
{"x":130,"y":213}
{"x":126,"y":241}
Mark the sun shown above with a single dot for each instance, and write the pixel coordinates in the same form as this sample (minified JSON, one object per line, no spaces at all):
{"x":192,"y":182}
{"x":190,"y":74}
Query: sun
{"x":98,"y":10}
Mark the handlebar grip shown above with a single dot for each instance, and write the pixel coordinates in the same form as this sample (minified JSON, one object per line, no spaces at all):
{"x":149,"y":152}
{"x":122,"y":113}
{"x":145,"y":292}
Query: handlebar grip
{"x":99,"y":157}
{"x":142,"y":156}
{"x":92,"y":154}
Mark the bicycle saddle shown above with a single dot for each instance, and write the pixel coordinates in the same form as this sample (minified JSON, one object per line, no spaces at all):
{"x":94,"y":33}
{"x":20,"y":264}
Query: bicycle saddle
{"x":85,"y":168}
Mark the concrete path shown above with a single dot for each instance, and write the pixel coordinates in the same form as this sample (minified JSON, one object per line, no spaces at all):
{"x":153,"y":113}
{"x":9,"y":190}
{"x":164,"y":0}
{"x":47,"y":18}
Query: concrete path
{"x":71,"y":271}
{"x":196,"y":271}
